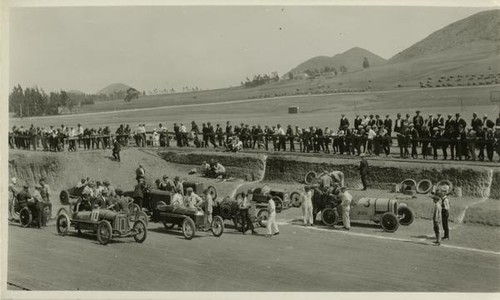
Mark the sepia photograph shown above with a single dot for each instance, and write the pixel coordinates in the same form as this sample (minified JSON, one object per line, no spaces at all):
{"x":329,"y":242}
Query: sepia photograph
{"x":250,"y":150}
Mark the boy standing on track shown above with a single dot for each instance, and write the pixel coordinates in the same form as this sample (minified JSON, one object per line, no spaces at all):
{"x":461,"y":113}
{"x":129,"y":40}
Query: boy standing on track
{"x":436,"y":218}
{"x":272,"y":227}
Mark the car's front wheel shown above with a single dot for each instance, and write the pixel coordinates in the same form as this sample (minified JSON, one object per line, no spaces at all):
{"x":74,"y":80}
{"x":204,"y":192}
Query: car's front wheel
{"x":141,"y":231}
{"x":389,"y":222}
{"x":405,"y":215}
{"x":217,"y":226}
{"x":188,"y":228}
{"x":104,"y":232}
{"x":62,"y":224}
{"x":25,"y":217}
{"x":329,"y":216}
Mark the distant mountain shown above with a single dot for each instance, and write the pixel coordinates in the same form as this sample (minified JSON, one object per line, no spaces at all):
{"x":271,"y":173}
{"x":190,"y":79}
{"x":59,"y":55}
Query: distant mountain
{"x":115,"y":87}
{"x":352,"y":59}
{"x":477,"y":34}
{"x":76,"y":92}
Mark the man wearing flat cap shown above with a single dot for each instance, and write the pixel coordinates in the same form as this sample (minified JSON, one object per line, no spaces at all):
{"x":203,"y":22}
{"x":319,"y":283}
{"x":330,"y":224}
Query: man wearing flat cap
{"x":443,"y":192}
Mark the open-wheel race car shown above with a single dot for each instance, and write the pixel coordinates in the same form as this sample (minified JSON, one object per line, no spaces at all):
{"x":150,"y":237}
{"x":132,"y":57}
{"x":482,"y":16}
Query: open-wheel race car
{"x":386,"y":212}
{"x":152,"y":197}
{"x":189,"y":219}
{"x":107,"y":224}
{"x":27,"y":215}
{"x":228,"y":210}
{"x":280,"y":197}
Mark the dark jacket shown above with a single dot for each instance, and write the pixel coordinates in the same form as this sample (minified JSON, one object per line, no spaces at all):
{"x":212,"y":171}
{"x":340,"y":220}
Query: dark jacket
{"x":363,"y":167}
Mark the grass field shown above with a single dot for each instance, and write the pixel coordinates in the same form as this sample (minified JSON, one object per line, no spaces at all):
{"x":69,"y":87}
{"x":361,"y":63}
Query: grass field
{"x":315,"y":110}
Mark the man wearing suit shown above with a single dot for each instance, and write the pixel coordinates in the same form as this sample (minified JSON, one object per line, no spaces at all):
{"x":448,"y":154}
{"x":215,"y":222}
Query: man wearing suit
{"x":439,"y":121}
{"x":487,"y":123}
{"x":418,"y":121}
{"x":476,"y":122}
{"x":358,"y":121}
{"x":388,"y":125}
{"x":363,"y":171}
{"x":498,"y":120}
{"x":459,"y":122}
{"x":398,"y":124}
{"x":343,"y":122}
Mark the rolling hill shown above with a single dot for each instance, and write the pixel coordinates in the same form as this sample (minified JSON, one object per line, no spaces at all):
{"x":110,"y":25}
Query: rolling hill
{"x":352,"y":59}
{"x":474,"y":35}
{"x":115,"y":87}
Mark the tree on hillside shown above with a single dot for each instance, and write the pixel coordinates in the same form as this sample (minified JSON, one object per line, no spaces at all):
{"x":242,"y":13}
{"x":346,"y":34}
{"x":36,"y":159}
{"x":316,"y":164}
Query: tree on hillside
{"x":131,"y":94}
{"x":366,"y":63}
{"x":343,"y":69}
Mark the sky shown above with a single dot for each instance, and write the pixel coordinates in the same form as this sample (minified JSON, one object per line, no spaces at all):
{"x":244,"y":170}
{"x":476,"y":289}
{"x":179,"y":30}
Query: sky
{"x":88,"y":48}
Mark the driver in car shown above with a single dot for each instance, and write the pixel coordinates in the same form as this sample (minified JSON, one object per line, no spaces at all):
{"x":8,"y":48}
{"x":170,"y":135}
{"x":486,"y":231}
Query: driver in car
{"x":83,"y":203}
{"x":191,"y":200}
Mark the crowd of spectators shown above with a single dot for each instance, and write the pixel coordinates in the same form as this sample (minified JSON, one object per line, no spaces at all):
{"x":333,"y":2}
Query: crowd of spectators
{"x":450,"y":137}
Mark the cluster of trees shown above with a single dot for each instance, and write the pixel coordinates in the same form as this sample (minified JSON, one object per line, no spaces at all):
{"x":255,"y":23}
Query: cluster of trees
{"x":261,"y":79}
{"x":33,"y":101}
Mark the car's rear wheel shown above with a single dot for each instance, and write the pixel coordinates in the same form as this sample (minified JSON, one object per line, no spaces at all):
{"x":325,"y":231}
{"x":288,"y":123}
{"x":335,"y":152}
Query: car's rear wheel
{"x":225,"y":210}
{"x":141,"y":230}
{"x":104,"y":232}
{"x":25,"y":217}
{"x":62,"y":224}
{"x":217,"y":226}
{"x":279,"y":203}
{"x":295,"y":199}
{"x":310,"y":176}
{"x":212,"y":191}
{"x":389,"y":222}
{"x":405,"y":215}
{"x":262,"y":217}
{"x":188,"y":228}
{"x":329,"y":216}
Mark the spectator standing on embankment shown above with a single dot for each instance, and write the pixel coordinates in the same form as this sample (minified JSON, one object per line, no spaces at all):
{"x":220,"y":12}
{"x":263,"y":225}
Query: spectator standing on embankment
{"x":363,"y":171}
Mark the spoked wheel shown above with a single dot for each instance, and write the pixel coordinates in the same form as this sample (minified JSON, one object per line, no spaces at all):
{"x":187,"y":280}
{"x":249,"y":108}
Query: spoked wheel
{"x":262,"y":217}
{"x":141,"y":231}
{"x":389,"y":222}
{"x":188,"y":228}
{"x":225,"y":210}
{"x":25,"y":217}
{"x":405,"y":215}
{"x":134,"y":209}
{"x":310,"y":176}
{"x":329,"y":216}
{"x":295,"y":199}
{"x":279,"y":203}
{"x":104,"y":232}
{"x":217,"y":226}
{"x":213,"y":192}
{"x":62,"y":224}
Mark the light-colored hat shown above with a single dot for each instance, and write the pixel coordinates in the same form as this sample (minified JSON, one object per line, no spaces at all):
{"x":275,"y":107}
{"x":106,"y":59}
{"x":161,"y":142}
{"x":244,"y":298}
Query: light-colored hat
{"x":14,"y":180}
{"x":445,"y":189}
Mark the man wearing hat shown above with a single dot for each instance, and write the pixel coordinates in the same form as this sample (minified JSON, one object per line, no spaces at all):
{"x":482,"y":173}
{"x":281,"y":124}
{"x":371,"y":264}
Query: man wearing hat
{"x":191,"y":200}
{"x":436,"y":218}
{"x":346,"y":207}
{"x":13,"y":191}
{"x":139,"y":191}
{"x":445,"y":209}
{"x":244,"y":205}
{"x":414,"y":141}
{"x":41,"y":204}
{"x":363,"y":171}
{"x":418,"y":121}
{"x":116,"y":150}
{"x":178,"y":186}
{"x":111,"y":191}
{"x":489,"y":140}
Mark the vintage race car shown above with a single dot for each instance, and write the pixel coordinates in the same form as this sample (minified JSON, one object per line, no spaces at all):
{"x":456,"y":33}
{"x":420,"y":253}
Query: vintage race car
{"x":386,"y":212}
{"x":107,"y":224}
{"x":228,"y":210}
{"x":153,"y":196}
{"x":189,"y":219}
{"x":26,"y":214}
{"x":280,"y":197}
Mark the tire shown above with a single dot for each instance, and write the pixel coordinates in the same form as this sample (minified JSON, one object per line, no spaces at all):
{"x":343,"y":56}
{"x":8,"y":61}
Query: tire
{"x":133,"y":209}
{"x":445,"y":182}
{"x":405,"y":215}
{"x":25,"y":217}
{"x":262,"y":217}
{"x":225,"y":210}
{"x":217,"y":226}
{"x":142,"y":231}
{"x":61,"y":211}
{"x":424,"y":186}
{"x":279,"y":204}
{"x":104,"y":232}
{"x":188,"y":228}
{"x":295,"y":199}
{"x":213,"y":192}
{"x":142,"y":216}
{"x":329,"y":216}
{"x":62,"y":224}
{"x":408,"y":182}
{"x":310,"y":176}
{"x":389,"y":222}
{"x":64,"y":197}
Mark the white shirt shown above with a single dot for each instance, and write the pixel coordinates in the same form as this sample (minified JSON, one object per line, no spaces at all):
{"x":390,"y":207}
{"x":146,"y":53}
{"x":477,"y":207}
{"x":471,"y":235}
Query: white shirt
{"x":191,"y":201}
{"x":371,"y":134}
{"x":280,"y":131}
{"x":183,"y":129}
{"x":271,"y":207}
{"x":346,"y":200}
